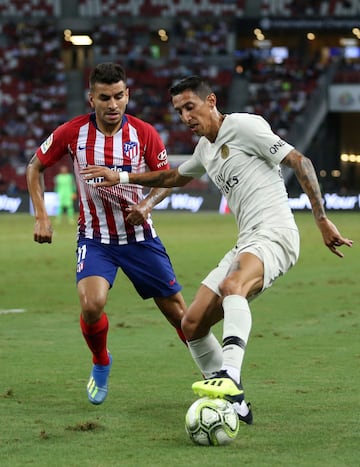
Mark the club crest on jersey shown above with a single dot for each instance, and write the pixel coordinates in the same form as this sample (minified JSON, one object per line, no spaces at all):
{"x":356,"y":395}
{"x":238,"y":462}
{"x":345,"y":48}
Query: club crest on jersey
{"x":46,"y":144}
{"x":224,"y":151}
{"x":131,"y":149}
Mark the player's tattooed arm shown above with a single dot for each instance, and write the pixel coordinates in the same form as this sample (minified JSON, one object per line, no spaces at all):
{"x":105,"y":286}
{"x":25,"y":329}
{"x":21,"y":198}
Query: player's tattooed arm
{"x":306,"y":175}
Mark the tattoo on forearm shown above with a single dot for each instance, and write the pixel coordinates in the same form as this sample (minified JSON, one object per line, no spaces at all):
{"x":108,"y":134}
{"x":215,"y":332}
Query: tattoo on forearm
{"x":306,"y":175}
{"x":157,"y":195}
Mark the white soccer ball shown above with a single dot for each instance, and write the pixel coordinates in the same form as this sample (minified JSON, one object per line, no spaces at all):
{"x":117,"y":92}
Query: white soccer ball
{"x":211,"y":422}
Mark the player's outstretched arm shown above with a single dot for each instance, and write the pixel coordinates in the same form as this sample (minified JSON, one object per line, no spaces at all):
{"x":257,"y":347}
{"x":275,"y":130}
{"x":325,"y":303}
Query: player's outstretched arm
{"x":34,"y":176}
{"x":160,"y":178}
{"x":306,"y":175}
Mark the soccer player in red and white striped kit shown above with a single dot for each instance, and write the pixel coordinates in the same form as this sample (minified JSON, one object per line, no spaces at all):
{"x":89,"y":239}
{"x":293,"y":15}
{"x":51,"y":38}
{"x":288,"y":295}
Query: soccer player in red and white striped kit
{"x":115,"y":228}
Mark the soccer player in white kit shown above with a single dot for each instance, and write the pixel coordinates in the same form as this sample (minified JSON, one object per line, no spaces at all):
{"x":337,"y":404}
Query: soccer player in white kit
{"x":242,"y":156}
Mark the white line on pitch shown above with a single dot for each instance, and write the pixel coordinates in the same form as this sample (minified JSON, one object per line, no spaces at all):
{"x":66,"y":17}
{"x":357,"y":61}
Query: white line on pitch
{"x":12,"y":310}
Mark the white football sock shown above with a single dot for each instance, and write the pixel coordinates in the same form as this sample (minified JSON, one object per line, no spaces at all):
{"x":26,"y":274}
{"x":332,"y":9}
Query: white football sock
{"x":232,"y":372}
{"x":236,"y":330}
{"x":242,"y":408}
{"x":207,"y":354}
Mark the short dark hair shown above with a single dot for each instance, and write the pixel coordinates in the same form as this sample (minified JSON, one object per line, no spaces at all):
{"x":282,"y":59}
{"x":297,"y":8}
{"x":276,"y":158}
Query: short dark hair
{"x":107,"y":73}
{"x":193,"y":83}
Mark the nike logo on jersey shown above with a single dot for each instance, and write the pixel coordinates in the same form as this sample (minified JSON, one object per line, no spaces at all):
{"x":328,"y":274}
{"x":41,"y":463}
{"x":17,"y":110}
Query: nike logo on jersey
{"x":82,"y":148}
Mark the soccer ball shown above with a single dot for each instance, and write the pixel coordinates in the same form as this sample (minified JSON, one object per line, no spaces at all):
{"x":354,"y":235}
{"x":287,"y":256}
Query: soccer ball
{"x":211,"y":422}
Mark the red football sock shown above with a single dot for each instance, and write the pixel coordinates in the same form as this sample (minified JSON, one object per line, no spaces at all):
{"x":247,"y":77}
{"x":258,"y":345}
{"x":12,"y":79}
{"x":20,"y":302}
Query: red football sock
{"x":181,"y":335}
{"x":96,"y":338}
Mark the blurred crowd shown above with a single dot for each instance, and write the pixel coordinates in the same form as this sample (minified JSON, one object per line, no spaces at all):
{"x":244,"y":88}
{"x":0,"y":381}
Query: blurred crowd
{"x":33,"y":93}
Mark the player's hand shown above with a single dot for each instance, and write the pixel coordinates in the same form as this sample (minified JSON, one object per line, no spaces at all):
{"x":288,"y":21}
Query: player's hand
{"x":43,"y":231}
{"x":332,"y":237}
{"x":137,"y":214}
{"x":99,"y":175}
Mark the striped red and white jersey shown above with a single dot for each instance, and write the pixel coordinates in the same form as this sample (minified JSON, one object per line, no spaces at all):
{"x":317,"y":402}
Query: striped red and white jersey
{"x":136,"y":147}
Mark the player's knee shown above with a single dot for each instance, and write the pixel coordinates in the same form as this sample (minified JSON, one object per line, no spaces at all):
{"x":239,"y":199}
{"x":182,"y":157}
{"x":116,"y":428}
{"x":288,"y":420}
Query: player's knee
{"x":230,"y":287}
{"x":191,"y":328}
{"x":187,"y":327}
{"x":91,"y":317}
{"x":91,"y":310}
{"x":244,"y":288}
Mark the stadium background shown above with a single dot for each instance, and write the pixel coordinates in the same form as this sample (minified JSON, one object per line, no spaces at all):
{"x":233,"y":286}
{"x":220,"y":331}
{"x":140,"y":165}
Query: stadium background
{"x":297,"y":63}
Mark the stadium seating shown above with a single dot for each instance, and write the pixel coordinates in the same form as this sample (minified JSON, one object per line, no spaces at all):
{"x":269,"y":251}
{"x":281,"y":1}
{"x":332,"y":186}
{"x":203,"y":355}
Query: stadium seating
{"x":33,"y":8}
{"x":161,"y":7}
{"x":279,"y":92}
{"x":33,"y":72}
{"x":292,"y":8}
{"x":348,"y":72}
{"x":32,"y":89}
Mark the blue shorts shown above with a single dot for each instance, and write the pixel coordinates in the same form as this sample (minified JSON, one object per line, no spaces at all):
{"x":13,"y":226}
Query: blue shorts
{"x":146,"y":264}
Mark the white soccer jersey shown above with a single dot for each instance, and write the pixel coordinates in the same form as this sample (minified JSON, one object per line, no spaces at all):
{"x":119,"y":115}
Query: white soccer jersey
{"x":134,"y":148}
{"x":243,"y":162}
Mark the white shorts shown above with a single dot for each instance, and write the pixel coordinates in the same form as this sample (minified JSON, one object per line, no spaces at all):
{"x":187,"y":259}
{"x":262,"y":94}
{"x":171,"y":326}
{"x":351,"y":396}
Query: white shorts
{"x":278,"y":249}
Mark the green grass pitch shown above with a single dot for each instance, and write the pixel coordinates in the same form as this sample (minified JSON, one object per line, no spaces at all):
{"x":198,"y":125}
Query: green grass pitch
{"x":301,"y":370}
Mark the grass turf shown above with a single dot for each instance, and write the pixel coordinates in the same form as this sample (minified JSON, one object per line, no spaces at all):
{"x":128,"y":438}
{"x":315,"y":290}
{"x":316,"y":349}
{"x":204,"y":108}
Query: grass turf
{"x":300,"y":371}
